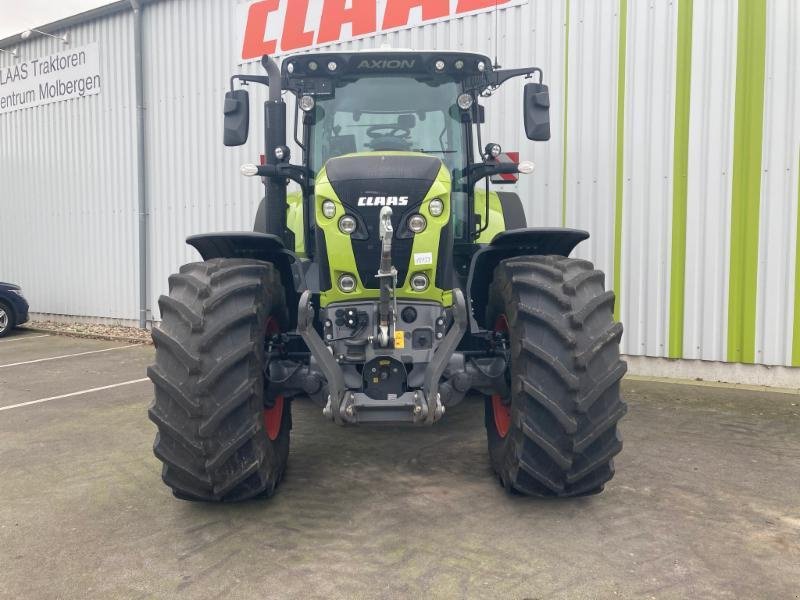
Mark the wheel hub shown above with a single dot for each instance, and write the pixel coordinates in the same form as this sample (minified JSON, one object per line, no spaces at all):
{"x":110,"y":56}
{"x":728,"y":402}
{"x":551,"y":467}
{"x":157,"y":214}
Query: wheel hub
{"x":500,"y":410}
{"x":273,"y":416}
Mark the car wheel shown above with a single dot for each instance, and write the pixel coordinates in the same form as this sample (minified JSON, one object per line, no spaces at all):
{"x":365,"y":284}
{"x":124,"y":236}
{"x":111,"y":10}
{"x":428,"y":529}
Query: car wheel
{"x":6,"y":319}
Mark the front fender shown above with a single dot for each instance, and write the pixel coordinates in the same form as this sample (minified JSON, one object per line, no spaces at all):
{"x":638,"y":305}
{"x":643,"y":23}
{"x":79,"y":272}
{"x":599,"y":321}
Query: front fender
{"x":518,"y":242}
{"x":258,"y":246}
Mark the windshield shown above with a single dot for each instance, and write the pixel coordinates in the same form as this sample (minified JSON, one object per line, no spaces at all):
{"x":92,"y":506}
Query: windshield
{"x":389,"y":113}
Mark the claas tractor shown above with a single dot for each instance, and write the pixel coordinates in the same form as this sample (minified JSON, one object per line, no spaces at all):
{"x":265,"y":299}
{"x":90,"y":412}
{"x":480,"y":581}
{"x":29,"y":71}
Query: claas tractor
{"x":386,"y":282}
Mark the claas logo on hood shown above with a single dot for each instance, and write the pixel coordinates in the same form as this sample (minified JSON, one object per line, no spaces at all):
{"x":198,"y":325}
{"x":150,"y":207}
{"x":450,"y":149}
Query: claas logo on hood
{"x":383,"y":201}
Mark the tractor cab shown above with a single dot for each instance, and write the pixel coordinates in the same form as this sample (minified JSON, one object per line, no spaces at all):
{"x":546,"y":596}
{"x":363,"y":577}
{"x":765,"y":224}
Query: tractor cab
{"x":403,"y":102}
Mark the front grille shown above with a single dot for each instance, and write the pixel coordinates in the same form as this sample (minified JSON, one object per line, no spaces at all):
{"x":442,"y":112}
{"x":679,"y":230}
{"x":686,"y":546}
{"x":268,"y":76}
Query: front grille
{"x":367,"y":252}
{"x":382,"y":175}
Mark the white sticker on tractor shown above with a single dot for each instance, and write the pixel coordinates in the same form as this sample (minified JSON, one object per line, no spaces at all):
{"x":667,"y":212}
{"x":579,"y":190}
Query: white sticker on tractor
{"x":423,"y":258}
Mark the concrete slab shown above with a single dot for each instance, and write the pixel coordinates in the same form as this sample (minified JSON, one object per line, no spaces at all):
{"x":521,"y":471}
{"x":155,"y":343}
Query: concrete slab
{"x":22,"y":335}
{"x":54,"y":345}
{"x":27,"y":382}
{"x":706,"y":503}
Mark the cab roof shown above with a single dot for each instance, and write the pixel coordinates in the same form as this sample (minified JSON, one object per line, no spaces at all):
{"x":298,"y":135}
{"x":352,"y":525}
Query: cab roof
{"x":318,"y":73}
{"x":354,"y":64}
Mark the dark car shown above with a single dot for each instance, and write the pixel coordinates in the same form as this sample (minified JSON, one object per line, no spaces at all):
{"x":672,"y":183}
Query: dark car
{"x":13,"y":307}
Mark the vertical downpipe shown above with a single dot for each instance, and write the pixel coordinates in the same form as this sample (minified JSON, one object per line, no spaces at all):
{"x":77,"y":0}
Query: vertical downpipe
{"x":274,"y":136}
{"x":136,"y":5}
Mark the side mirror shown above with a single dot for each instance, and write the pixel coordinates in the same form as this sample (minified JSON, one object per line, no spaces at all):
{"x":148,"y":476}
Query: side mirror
{"x":237,"y":117}
{"x":536,"y":106}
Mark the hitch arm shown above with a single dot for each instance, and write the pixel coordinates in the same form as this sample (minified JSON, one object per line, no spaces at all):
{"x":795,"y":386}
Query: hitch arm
{"x":438,"y":365}
{"x":330,"y":368}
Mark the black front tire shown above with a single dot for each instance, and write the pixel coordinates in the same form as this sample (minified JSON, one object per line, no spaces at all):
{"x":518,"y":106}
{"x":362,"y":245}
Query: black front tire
{"x":210,"y":389}
{"x":7,"y":319}
{"x":557,"y":433}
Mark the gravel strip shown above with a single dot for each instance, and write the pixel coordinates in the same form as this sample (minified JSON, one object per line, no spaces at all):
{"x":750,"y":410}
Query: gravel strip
{"x":93,"y":331}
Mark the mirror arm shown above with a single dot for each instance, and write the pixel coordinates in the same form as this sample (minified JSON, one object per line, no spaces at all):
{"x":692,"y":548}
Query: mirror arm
{"x":498,"y":78}
{"x":296,"y":123}
{"x":477,"y":171}
{"x":262,"y":79}
{"x":297,"y":173}
{"x":485,"y":225}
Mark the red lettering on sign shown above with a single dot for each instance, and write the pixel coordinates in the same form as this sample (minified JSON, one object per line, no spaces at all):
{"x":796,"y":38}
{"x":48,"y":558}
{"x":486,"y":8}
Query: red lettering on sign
{"x":294,"y":34}
{"x":327,"y":23}
{"x":398,"y":11}
{"x":470,"y":5}
{"x":361,"y":16}
{"x":254,"y":44}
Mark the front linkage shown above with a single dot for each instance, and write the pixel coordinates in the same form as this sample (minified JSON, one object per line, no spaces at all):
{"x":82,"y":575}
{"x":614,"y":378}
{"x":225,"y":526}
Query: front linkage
{"x":420,"y":406}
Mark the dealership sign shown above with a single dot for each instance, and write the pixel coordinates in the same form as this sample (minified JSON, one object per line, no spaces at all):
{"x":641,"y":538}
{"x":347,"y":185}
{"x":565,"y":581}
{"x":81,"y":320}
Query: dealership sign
{"x":73,"y":73}
{"x":280,"y":26}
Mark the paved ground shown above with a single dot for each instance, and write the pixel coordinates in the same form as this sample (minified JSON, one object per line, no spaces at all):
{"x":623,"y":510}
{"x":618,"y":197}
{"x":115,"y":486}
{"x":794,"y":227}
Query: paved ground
{"x":706,"y":502}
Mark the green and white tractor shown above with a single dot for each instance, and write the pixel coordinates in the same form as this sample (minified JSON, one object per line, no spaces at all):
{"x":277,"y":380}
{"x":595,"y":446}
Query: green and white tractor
{"x":391,"y":286}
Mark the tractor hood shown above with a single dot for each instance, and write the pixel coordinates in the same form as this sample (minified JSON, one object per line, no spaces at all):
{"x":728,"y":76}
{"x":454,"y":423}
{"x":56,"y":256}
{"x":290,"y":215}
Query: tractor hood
{"x":397,"y":166}
{"x":360,"y":185}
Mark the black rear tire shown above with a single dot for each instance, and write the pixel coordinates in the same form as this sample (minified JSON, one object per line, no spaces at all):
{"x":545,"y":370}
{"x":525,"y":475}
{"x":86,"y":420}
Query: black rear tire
{"x":210,"y":389}
{"x":557,"y":433}
{"x":7,"y":319}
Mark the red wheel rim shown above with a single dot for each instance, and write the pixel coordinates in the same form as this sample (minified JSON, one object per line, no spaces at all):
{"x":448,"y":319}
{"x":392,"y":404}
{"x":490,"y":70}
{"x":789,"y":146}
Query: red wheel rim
{"x":273,"y":416}
{"x":501,"y":412}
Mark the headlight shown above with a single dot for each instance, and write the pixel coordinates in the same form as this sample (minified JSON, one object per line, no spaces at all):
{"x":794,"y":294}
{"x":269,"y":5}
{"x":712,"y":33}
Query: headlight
{"x":417,"y":223}
{"x":18,"y":293}
{"x":347,"y":224}
{"x":307,"y":103}
{"x":465,"y":101}
{"x":419,"y":282}
{"x":436,"y":207}
{"x":347,"y":283}
{"x":328,"y":209}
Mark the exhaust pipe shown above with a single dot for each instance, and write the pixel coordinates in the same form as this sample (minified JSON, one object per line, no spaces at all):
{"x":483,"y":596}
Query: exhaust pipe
{"x":275,"y":136}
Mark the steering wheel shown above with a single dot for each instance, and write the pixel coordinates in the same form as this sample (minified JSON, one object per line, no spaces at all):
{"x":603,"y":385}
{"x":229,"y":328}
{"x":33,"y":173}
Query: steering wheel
{"x":388,"y":137}
{"x":391,"y":131}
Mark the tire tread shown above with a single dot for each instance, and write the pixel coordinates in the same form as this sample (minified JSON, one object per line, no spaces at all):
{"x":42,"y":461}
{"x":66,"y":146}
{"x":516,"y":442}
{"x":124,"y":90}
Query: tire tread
{"x":565,"y":373}
{"x":209,"y":381}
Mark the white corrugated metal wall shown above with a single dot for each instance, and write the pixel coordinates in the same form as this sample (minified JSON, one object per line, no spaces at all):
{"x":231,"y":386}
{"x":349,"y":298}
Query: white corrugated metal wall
{"x":586,"y":198}
{"x":612,"y":153}
{"x":68,"y":186}
{"x":709,"y":187}
{"x":647,"y":187}
{"x":778,"y":219}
